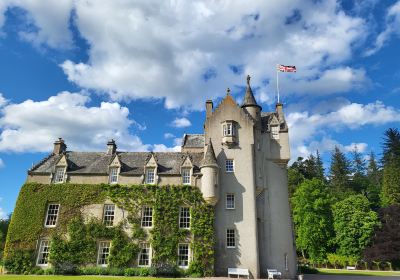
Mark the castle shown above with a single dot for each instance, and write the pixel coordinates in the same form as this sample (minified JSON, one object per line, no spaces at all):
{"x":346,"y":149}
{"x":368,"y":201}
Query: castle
{"x":239,"y":164}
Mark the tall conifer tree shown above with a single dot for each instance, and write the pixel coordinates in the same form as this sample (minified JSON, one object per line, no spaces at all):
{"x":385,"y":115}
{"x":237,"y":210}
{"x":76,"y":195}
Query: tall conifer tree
{"x":391,"y":171}
{"x":339,"y":172}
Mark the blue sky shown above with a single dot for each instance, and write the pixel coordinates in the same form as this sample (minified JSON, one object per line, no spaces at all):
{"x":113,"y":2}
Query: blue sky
{"x":140,"y":72}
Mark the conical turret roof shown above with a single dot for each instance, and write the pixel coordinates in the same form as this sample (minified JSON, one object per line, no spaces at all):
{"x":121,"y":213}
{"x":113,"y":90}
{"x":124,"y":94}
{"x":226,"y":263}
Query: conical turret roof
{"x":209,"y":156}
{"x":249,"y":99}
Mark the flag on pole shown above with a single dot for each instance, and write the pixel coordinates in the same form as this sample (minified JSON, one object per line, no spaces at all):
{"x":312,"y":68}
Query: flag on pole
{"x":284,"y":68}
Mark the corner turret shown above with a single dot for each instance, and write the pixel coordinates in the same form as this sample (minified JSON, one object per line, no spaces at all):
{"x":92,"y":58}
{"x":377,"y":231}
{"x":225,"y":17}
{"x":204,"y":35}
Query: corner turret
{"x":209,"y":169}
{"x":250,"y":103}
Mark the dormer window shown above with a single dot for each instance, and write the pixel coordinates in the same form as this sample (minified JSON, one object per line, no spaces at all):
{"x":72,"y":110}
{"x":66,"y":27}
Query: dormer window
{"x":229,"y":133}
{"x":113,"y":178}
{"x":150,"y":175}
{"x":275,"y":132}
{"x":59,"y":175}
{"x":186,"y":176}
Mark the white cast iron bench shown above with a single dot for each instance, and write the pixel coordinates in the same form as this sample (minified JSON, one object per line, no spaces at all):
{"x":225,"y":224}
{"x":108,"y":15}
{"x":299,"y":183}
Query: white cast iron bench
{"x":272,"y":273}
{"x":238,"y":272}
{"x":351,"y":268}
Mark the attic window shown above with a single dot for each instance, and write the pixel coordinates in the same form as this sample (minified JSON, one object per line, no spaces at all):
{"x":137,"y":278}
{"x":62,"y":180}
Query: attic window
{"x":150,"y":176}
{"x":186,"y":176}
{"x":275,"y":132}
{"x":113,"y":175}
{"x":59,"y":175}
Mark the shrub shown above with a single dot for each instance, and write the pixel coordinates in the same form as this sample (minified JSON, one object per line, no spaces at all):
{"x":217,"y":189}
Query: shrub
{"x":307,"y":270}
{"x":20,"y":262}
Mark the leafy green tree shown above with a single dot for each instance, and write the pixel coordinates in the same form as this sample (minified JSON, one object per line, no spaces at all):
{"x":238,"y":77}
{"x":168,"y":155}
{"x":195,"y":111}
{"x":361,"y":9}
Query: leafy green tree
{"x":386,"y":241}
{"x":391,"y":170}
{"x":339,"y":173}
{"x":295,"y":178}
{"x":354,"y":224}
{"x":3,"y":233}
{"x":313,"y":218}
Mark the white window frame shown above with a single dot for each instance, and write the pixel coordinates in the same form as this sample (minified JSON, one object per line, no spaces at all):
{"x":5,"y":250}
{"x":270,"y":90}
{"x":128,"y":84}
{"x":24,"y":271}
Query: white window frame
{"x":230,"y":203}
{"x":59,"y":175}
{"x":144,"y":246}
{"x":230,"y":233}
{"x":52,"y":213}
{"x":147,"y":220}
{"x":226,"y":166}
{"x":100,"y":253}
{"x":147,"y":176}
{"x":43,"y":253}
{"x":108,"y":215}
{"x":275,"y":132}
{"x":228,"y":129}
{"x":186,"y":175}
{"x":184,"y":220}
{"x":286,"y":262}
{"x":179,"y":255}
{"x":113,"y":176}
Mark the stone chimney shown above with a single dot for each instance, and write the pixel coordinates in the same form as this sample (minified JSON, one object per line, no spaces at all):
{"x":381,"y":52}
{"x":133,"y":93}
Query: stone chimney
{"x":278,"y":108}
{"x":111,"y":147}
{"x":209,"y":108}
{"x":59,"y":147}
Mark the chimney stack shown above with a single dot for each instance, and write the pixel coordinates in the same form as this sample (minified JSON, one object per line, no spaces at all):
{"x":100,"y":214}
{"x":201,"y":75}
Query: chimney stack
{"x":279,"y":107}
{"x":111,"y":147}
{"x":59,"y":147}
{"x":209,"y":108}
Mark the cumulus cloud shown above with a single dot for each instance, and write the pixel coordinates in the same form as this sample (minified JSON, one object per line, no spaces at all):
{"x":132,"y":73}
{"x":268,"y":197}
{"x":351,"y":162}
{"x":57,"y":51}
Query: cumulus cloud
{"x":392,"y":27}
{"x":184,"y":52}
{"x":163,"y":148}
{"x":306,"y":127}
{"x":33,"y":125}
{"x":181,"y":122}
{"x":3,"y":101}
{"x":168,"y":135}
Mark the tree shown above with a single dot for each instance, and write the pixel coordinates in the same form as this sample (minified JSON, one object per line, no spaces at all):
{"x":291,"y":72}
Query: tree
{"x":320,"y":171}
{"x":3,"y":233}
{"x":354,"y":224}
{"x":313,"y":218}
{"x":386,"y":240}
{"x":374,"y":176}
{"x":391,"y":170}
{"x":339,"y":173}
{"x":359,"y":179}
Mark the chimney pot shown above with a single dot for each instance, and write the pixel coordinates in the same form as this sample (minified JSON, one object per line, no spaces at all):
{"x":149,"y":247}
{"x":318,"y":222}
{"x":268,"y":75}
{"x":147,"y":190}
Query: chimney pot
{"x":59,"y":147}
{"x":111,"y":147}
{"x":209,"y":108}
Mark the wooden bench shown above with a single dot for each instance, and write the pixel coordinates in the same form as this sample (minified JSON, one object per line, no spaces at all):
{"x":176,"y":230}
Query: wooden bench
{"x":273,"y":272}
{"x":351,"y":268}
{"x":238,"y":272}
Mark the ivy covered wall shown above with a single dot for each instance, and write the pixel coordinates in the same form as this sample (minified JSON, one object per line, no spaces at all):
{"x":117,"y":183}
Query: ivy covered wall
{"x":74,"y":242}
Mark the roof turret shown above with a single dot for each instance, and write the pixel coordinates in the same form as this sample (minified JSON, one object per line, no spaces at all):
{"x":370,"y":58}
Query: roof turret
{"x":249,"y":100}
{"x":209,"y":156}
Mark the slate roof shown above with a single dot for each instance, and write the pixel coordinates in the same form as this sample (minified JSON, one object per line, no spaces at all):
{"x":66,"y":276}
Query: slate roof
{"x":266,"y":117}
{"x":193,"y":141}
{"x":132,"y":163}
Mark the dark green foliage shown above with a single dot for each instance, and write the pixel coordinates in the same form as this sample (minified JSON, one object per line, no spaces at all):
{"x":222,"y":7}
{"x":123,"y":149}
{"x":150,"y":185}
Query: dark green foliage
{"x":3,"y":233}
{"x":304,"y":269}
{"x":391,"y":145}
{"x":359,"y":182}
{"x":313,"y":218}
{"x":391,"y":172}
{"x":339,"y":173}
{"x":354,"y":224}
{"x":386,"y":241}
{"x":19,"y":262}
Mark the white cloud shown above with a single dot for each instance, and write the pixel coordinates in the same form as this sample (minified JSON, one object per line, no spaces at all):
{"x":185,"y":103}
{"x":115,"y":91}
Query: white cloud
{"x":181,"y":122}
{"x":34,"y":125}
{"x":163,"y":148}
{"x":3,"y":214}
{"x":3,"y":101}
{"x":184,"y":51}
{"x":305,"y":128}
{"x":168,"y":135}
{"x":392,"y":27}
{"x":1,"y":165}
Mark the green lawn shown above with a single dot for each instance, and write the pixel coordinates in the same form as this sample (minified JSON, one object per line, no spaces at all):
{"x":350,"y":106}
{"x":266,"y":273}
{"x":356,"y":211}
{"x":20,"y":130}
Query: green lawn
{"x":358,"y":272}
{"x":58,"y":277}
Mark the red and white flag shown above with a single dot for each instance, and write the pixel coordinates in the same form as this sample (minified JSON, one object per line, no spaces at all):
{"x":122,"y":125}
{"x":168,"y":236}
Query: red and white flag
{"x":284,"y":68}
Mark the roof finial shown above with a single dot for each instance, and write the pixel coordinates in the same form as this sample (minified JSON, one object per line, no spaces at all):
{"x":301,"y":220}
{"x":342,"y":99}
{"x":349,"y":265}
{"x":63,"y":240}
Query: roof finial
{"x":228,"y":91}
{"x":248,"y":80}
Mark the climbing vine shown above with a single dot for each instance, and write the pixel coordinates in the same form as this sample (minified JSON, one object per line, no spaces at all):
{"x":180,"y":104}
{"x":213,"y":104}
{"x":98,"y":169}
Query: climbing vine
{"x":74,"y":241}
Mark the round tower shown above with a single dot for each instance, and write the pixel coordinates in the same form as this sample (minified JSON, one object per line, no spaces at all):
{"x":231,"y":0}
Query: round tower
{"x":209,"y":181}
{"x":250,"y":103}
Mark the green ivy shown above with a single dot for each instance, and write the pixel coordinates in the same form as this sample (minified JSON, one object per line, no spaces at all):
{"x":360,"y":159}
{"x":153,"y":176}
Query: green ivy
{"x":80,"y":248}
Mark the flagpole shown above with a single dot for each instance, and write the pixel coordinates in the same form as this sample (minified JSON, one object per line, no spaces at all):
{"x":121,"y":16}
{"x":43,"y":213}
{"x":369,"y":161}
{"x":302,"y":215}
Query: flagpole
{"x":277,"y":83}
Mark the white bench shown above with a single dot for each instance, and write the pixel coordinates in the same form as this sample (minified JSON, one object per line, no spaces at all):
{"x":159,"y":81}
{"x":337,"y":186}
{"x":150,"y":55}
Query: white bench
{"x":238,"y":272}
{"x":351,"y":268}
{"x":272,"y":273}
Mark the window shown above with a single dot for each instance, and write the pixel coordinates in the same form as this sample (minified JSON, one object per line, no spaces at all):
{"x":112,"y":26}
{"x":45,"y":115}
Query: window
{"x":286,"y":263}
{"x":230,"y":201}
{"x":228,"y":129}
{"x":52,"y":215}
{"x":275,"y":132}
{"x":230,"y":238}
{"x":109,"y":212}
{"x":229,"y":165}
{"x":150,"y":176}
{"x":147,"y":217}
{"x":43,"y":255}
{"x":59,"y":175}
{"x":184,"y":217}
{"x":183,"y":255}
{"x":144,"y":254}
{"x":186,"y":176}
{"x":113,"y":175}
{"x":104,"y":253}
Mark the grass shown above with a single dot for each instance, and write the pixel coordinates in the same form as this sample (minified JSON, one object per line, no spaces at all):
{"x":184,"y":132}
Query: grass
{"x":59,"y":277}
{"x":358,"y":272}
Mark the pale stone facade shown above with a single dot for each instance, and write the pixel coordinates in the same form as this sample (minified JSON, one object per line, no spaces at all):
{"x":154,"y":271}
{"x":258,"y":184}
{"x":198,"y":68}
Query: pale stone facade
{"x":239,"y":163}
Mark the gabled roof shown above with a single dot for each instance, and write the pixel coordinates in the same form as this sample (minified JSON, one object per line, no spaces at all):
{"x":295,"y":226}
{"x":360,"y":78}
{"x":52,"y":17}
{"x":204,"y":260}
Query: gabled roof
{"x":132,"y":163}
{"x":193,"y":141}
{"x":267,"y":117}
